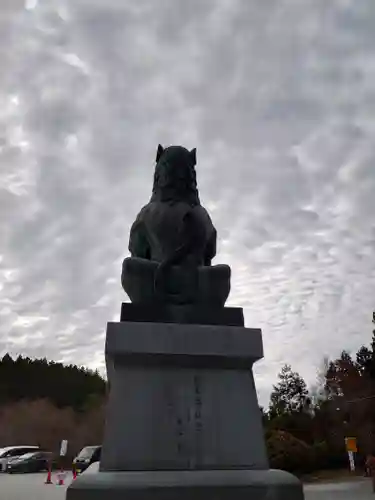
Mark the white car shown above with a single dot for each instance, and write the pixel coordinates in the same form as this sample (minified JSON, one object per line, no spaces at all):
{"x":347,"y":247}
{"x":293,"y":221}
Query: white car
{"x":13,"y":451}
{"x":92,"y":469}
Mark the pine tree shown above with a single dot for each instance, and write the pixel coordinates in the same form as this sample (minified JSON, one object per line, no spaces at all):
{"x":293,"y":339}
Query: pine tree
{"x":290,"y":395}
{"x":65,"y":386}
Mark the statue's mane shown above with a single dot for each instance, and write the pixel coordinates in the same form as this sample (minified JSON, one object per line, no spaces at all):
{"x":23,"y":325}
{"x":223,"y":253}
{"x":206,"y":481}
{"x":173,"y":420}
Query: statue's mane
{"x":175,"y":176}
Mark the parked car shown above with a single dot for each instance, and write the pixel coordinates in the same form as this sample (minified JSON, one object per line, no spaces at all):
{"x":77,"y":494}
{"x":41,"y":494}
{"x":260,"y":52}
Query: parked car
{"x":86,"y":457}
{"x":12,"y":452}
{"x":93,"y":468}
{"x":35,"y":461}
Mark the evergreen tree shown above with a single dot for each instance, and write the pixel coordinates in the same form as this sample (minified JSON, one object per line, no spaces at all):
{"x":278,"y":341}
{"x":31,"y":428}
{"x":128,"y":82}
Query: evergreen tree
{"x":65,"y":386}
{"x":343,"y":377}
{"x":366,"y":359}
{"x":290,"y":395}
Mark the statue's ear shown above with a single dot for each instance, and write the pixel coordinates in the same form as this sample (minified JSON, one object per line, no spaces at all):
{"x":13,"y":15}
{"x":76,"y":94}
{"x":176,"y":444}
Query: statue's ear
{"x":193,"y":154}
{"x":159,"y":152}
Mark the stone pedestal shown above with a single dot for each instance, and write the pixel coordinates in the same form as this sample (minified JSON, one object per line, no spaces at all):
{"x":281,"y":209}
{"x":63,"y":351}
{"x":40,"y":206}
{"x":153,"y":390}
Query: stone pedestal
{"x":183,"y":420}
{"x":187,"y":485}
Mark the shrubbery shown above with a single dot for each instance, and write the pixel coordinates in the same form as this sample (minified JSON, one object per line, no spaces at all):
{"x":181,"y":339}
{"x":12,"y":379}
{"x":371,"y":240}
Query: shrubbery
{"x":289,"y":453}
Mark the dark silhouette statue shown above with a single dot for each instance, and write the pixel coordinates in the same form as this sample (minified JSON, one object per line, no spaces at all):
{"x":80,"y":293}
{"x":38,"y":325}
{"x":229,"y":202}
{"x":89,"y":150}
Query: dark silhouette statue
{"x":173,"y":241}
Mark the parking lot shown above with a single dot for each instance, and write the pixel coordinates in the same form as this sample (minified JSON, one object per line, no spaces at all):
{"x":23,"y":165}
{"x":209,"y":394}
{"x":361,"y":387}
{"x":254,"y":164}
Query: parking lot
{"x":32,"y":487}
{"x":360,"y":489}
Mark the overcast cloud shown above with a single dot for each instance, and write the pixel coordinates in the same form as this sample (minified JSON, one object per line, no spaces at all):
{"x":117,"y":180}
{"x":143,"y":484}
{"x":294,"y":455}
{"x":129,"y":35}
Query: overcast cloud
{"x":278,"y":96}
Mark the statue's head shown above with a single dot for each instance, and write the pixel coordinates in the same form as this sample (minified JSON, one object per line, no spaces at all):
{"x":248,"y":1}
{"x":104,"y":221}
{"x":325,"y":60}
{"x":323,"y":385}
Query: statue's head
{"x":175,"y":177}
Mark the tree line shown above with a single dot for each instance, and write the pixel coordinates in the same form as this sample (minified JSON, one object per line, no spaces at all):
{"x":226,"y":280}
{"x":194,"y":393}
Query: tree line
{"x":64,"y":385}
{"x":43,"y":402}
{"x":306,"y":429}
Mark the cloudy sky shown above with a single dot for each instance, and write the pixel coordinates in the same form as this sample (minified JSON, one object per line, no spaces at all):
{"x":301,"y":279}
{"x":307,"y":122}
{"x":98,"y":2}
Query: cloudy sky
{"x":278,"y":96}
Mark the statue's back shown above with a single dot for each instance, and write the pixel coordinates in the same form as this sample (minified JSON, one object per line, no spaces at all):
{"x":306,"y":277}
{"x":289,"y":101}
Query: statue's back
{"x":169,"y":227}
{"x":173,"y":241}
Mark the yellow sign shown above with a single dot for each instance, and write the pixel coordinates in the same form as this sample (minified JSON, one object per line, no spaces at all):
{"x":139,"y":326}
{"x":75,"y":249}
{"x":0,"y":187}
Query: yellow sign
{"x":351,"y":444}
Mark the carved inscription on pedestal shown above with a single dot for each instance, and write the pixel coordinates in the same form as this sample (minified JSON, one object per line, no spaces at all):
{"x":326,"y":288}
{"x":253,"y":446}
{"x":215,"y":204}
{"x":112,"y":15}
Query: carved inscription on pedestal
{"x":198,"y":423}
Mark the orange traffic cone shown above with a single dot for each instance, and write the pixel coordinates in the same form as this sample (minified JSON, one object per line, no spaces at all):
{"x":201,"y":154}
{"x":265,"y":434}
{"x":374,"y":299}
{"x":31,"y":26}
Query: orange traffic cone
{"x":49,"y":477}
{"x":60,"y":477}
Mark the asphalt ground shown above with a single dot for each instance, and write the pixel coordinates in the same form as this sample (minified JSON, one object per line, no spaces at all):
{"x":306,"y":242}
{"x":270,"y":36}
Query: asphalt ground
{"x":32,"y":487}
{"x":360,"y":489}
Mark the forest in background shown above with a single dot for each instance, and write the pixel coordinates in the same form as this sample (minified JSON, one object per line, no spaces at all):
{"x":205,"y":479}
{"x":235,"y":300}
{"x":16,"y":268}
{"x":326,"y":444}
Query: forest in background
{"x":306,"y":429}
{"x":43,"y":402}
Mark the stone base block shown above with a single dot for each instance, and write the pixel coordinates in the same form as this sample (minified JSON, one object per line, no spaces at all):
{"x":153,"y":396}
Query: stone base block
{"x":187,"y":485}
{"x":182,"y":397}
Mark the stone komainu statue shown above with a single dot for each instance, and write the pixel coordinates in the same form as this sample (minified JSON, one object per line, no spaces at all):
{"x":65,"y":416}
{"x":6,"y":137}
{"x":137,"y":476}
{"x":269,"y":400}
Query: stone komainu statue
{"x":173,"y":241}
